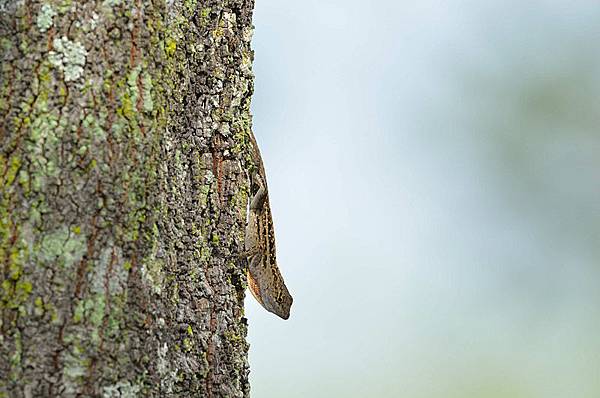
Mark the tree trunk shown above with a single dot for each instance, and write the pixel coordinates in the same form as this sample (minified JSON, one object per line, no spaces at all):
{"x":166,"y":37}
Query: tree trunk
{"x":123,"y":194}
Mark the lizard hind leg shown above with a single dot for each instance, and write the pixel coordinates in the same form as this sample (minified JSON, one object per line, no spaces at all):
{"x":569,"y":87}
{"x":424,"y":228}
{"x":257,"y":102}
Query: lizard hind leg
{"x":254,"y":288}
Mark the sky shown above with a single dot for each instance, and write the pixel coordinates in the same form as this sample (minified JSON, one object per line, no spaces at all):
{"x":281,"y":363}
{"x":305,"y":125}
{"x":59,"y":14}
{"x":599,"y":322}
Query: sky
{"x":433,"y":174}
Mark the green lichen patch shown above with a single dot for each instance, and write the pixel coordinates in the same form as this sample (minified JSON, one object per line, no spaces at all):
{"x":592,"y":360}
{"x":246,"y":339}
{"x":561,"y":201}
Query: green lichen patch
{"x":188,"y":344}
{"x":204,"y":13}
{"x":123,"y":389}
{"x":44,"y":138}
{"x":38,"y":306}
{"x":91,"y":312}
{"x":148,"y":103}
{"x":45,"y":17}
{"x":15,"y":358}
{"x":15,"y":287}
{"x":233,"y":337}
{"x":132,"y":89}
{"x":43,"y":131}
{"x":14,"y":294}
{"x":69,"y":57}
{"x":170,"y":46}
{"x":152,"y":272}
{"x":135,"y":95}
{"x":62,"y":247}
{"x":76,"y":365}
{"x":8,"y":171}
{"x":93,"y":125}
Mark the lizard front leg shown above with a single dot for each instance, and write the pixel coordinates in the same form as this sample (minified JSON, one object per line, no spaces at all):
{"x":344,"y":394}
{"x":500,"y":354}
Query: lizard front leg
{"x":253,"y":283}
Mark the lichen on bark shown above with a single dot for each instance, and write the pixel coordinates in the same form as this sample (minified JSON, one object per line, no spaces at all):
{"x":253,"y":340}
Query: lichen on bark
{"x":123,"y":148}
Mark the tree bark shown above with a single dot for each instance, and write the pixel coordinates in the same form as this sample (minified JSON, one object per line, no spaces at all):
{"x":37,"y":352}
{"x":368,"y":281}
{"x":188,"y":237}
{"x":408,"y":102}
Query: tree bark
{"x":123,"y":194}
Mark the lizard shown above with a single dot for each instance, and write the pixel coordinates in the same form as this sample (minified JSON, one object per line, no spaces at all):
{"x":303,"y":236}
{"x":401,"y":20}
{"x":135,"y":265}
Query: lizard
{"x":264,"y":278}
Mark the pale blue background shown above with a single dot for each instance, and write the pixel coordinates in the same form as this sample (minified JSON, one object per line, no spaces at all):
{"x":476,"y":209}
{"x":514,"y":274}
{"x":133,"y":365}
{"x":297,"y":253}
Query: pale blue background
{"x":434,"y":172}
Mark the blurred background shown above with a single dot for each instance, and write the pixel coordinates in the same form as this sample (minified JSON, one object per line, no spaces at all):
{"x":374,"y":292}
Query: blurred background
{"x":434,"y":172}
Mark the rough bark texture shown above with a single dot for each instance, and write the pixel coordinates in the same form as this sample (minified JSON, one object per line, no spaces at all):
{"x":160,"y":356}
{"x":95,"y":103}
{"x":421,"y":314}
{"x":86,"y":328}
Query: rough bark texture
{"x":123,"y":193}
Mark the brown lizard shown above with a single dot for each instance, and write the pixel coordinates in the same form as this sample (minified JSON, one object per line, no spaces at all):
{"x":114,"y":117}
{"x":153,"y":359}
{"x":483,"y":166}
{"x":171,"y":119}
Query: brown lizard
{"x":264,"y":279}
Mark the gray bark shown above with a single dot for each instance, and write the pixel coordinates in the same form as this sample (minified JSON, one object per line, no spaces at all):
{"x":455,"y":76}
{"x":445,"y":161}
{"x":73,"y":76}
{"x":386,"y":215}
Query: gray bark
{"x":124,"y":131}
